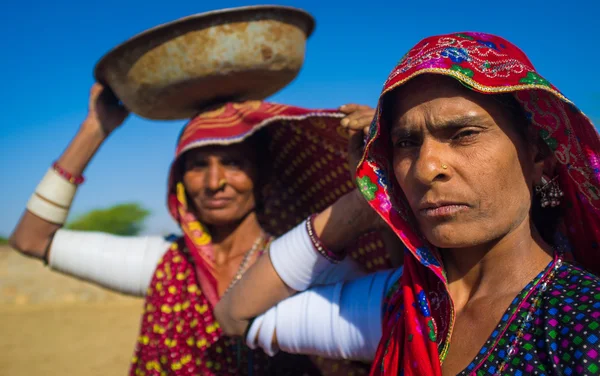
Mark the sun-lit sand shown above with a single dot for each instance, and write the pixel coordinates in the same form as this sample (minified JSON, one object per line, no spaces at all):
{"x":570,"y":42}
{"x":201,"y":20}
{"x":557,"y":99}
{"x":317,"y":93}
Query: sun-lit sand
{"x":51,"y":324}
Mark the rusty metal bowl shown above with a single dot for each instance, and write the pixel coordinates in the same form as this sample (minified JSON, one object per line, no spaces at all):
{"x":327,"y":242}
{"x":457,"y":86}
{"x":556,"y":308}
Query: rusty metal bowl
{"x":174,"y":70}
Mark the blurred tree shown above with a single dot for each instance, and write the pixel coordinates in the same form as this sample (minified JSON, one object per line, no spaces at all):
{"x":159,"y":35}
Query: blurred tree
{"x":121,"y":219}
{"x":3,"y":240}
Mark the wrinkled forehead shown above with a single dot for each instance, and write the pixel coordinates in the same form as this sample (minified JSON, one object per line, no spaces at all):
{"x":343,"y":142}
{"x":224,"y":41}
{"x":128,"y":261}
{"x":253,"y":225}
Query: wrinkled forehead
{"x":245,"y":149}
{"x":437,"y":98}
{"x":421,"y":91}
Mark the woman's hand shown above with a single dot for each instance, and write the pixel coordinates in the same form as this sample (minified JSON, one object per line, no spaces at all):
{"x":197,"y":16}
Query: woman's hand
{"x":105,"y":112}
{"x":357,"y":121}
{"x":32,"y":235}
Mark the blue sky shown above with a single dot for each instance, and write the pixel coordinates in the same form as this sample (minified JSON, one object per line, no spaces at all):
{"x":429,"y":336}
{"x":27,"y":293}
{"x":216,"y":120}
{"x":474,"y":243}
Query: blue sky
{"x":50,"y":48}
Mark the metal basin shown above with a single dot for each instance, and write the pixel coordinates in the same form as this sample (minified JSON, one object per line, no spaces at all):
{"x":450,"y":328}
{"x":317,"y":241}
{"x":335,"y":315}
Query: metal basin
{"x":175,"y":70}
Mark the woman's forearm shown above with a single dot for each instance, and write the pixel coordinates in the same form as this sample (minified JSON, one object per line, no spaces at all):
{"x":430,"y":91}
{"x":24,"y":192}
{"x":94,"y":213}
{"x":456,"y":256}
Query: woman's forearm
{"x":341,"y":223}
{"x":32,"y":234}
{"x":263,"y":286}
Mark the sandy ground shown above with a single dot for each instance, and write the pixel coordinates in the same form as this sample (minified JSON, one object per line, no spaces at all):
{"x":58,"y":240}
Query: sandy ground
{"x":51,"y":324}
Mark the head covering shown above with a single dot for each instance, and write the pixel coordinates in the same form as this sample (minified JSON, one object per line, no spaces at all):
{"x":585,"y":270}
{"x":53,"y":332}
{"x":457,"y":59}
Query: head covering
{"x":309,"y":172}
{"x":419,"y":312}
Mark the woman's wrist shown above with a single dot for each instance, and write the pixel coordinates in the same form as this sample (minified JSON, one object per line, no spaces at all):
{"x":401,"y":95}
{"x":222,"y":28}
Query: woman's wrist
{"x":344,"y":221}
{"x":92,"y":128}
{"x":331,"y":255}
{"x":81,"y":150}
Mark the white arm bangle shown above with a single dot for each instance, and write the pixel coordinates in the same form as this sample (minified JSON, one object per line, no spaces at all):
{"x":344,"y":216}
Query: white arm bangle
{"x":52,"y":198}
{"x":267,"y":332}
{"x":295,"y":259}
{"x":252,"y":336}
{"x":345,"y":270}
{"x":334,"y":321}
{"x":122,"y":263}
{"x":46,"y":210}
{"x":262,"y":335}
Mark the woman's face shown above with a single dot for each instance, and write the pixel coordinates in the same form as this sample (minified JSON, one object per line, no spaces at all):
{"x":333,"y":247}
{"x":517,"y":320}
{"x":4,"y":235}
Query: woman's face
{"x":465,"y":170}
{"x":221,"y":181}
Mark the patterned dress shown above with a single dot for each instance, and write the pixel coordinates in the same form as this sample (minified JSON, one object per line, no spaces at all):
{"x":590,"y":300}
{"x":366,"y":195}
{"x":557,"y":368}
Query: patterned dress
{"x":551,"y":330}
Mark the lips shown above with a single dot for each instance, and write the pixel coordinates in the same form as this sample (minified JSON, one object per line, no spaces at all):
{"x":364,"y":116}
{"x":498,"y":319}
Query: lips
{"x":216,"y":203}
{"x":441,"y":209}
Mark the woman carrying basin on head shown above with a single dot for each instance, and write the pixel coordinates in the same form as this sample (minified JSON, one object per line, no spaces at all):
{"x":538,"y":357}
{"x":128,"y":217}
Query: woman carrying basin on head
{"x":243,"y":173}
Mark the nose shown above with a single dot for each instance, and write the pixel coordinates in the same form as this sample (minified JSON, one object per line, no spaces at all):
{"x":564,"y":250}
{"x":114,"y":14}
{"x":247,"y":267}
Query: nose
{"x":214,"y":175}
{"x":432,"y":163}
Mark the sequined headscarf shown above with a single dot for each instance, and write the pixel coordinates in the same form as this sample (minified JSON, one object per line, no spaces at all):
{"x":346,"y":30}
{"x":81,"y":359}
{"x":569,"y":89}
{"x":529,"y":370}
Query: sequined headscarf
{"x":419,"y":313}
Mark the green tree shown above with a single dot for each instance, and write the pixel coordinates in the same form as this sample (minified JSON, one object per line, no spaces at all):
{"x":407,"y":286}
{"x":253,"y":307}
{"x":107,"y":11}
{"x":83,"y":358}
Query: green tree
{"x":121,"y":219}
{"x":3,"y":240}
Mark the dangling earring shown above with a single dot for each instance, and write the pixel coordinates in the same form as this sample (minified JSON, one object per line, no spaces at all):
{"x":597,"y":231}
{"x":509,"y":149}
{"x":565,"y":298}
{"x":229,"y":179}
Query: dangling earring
{"x":550,"y":193}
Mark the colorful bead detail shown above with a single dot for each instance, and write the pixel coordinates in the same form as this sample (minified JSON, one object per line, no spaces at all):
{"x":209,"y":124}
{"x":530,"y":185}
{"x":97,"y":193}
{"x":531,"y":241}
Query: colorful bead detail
{"x":541,"y":288}
{"x":67,"y":175}
{"x":318,"y":245}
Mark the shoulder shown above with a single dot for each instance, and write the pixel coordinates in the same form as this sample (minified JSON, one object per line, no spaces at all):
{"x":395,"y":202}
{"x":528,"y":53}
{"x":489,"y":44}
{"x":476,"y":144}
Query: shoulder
{"x":574,"y":290}
{"x":575,"y":277}
{"x":572,"y":310}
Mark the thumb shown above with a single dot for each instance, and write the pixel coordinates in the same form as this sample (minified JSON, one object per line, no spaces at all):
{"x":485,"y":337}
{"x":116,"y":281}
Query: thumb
{"x":355,"y":150}
{"x":356,"y":142}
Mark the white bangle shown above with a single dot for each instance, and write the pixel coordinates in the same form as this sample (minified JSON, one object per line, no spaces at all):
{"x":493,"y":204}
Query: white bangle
{"x":267,"y":332}
{"x":46,"y":210}
{"x":295,"y":259}
{"x":121,"y":263}
{"x":56,"y":189}
{"x":252,"y":335}
{"x":337,"y":321}
{"x":262,"y":336}
{"x":52,"y":198}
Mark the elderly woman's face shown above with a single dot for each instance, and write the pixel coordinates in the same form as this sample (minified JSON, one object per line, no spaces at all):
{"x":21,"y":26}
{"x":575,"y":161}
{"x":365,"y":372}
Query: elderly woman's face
{"x":465,"y":170}
{"x":220,"y":181}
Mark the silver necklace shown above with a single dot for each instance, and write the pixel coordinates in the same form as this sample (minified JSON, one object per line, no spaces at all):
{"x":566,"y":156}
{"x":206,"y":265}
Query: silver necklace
{"x":244,"y":263}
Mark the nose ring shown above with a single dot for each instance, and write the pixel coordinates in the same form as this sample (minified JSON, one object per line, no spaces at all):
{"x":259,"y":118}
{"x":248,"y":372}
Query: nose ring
{"x":222,"y":183}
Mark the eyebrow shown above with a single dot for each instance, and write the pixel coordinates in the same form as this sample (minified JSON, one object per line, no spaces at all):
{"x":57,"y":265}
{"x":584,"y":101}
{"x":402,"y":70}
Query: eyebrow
{"x":402,"y":130}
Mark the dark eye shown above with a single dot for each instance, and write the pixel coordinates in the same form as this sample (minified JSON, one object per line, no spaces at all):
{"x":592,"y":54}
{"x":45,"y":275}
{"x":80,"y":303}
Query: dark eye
{"x":198,"y":163}
{"x":405,"y":143}
{"x":195,"y":163}
{"x":465,"y":135}
{"x":231,"y":162}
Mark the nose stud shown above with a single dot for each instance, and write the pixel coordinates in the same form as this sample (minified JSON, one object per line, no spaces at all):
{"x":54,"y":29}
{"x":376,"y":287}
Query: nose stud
{"x":222,"y":183}
{"x":444,"y":167}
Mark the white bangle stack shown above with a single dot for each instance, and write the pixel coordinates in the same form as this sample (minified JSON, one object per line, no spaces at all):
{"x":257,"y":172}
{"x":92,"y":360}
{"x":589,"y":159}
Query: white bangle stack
{"x":296,"y":260}
{"x":338,"y":321}
{"x":52,"y":198}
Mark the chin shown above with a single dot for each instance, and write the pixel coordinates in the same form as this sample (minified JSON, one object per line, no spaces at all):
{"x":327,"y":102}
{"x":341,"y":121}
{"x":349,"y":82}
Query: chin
{"x":217,"y":220}
{"x":448,"y":236}
{"x":220,"y":217}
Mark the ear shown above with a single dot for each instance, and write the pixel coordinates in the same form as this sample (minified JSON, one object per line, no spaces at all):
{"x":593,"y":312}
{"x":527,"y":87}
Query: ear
{"x":544,"y":162}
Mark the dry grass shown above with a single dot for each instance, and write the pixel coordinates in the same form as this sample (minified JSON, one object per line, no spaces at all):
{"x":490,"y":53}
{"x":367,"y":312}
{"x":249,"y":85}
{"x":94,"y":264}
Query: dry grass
{"x":51,"y":324}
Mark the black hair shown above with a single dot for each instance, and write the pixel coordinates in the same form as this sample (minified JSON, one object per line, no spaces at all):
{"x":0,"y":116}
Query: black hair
{"x":260,"y":141}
